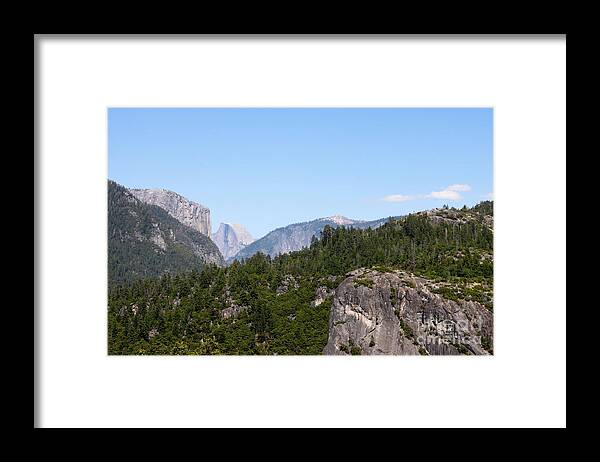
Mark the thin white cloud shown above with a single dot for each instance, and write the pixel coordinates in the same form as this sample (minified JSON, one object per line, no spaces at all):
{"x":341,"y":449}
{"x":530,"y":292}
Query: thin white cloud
{"x":488,"y":196}
{"x":451,"y":193}
{"x":445,"y":194}
{"x":397,"y":198}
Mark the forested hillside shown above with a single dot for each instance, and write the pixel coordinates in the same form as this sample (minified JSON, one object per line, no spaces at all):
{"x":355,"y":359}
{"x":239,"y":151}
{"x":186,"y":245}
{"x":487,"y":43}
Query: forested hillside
{"x":281,"y":305}
{"x":145,"y":241}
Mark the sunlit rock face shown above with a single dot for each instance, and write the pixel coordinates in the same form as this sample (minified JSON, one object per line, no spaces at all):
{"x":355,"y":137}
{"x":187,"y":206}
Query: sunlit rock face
{"x":396,"y":313}
{"x":190,"y":213}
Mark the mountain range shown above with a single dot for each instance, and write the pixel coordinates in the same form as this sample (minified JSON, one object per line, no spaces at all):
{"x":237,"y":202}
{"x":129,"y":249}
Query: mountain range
{"x":153,"y":231}
{"x":298,"y":235}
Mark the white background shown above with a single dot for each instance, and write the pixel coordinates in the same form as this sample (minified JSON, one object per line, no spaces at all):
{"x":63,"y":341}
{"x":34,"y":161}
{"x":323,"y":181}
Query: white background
{"x":523,"y":384}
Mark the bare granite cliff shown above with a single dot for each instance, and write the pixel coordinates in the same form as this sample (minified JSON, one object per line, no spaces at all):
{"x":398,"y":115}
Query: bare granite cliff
{"x":395,"y":313}
{"x":190,"y":213}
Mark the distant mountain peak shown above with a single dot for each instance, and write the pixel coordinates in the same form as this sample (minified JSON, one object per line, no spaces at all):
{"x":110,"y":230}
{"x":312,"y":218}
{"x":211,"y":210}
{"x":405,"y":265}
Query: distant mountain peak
{"x":238,"y":228}
{"x":231,"y":238}
{"x":340,"y":220}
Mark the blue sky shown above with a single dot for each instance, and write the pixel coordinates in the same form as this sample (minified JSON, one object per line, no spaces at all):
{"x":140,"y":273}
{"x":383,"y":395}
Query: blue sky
{"x":266,"y":168}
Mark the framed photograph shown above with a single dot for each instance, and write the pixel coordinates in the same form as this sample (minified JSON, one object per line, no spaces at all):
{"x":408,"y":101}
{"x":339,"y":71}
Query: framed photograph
{"x":250,"y":231}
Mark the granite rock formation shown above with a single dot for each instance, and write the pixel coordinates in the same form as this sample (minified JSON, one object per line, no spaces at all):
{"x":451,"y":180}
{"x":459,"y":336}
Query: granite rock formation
{"x":231,"y":238}
{"x":395,"y":313}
